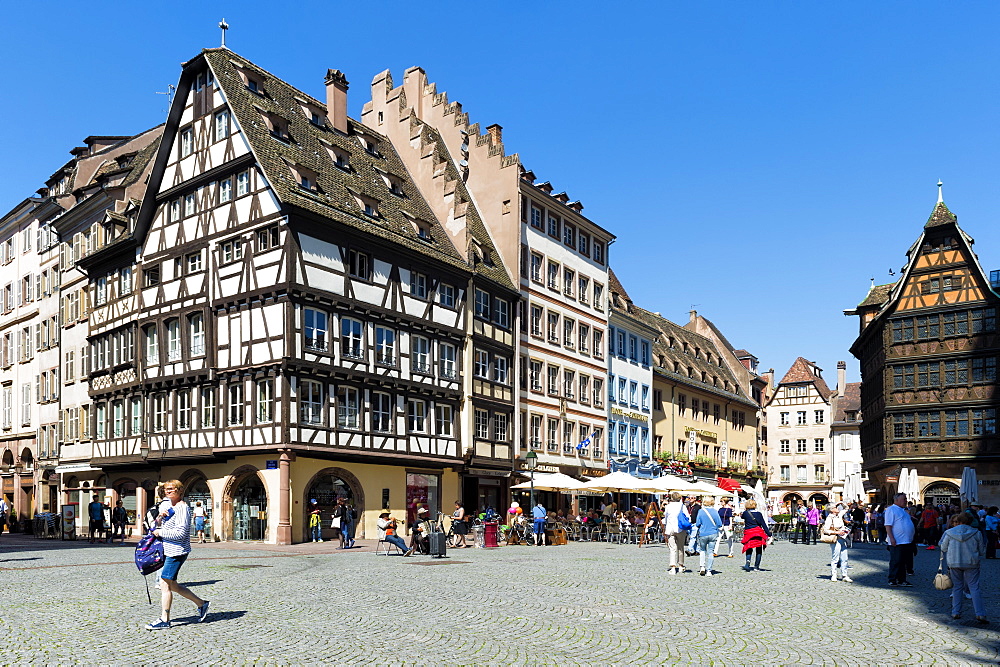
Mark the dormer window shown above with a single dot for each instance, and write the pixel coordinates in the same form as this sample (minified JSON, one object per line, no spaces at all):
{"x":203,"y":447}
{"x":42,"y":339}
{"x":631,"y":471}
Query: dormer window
{"x":313,"y":114}
{"x":368,"y":205}
{"x":370,"y":145}
{"x":253,"y":81}
{"x":276,"y":125}
{"x":394,"y":184}
{"x":305,"y":177}
{"x":340,"y":158}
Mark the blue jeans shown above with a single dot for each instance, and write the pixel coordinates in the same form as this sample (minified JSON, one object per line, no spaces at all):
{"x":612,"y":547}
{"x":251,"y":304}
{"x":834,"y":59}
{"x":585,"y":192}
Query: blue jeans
{"x":838,"y":556}
{"x":960,"y":578}
{"x":706,"y":550}
{"x":347,"y":530}
{"x":398,"y":541}
{"x":317,"y":532}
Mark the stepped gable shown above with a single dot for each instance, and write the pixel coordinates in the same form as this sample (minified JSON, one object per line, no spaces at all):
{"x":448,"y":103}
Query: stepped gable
{"x":672,"y":361}
{"x":339,"y":188}
{"x":802,"y":371}
{"x":849,"y":402}
{"x":490,"y":264}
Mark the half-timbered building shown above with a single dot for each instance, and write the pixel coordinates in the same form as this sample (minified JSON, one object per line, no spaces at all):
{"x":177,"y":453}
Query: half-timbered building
{"x":928,"y":347}
{"x":302,"y":316}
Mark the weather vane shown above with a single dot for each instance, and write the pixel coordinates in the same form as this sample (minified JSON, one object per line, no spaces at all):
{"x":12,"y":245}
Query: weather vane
{"x":225,"y":27}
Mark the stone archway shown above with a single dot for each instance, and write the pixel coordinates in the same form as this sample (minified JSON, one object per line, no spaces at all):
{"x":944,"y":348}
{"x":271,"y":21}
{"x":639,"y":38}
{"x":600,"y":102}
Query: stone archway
{"x":940,"y":492}
{"x":324,"y":484}
{"x":230,"y":502}
{"x":197,"y":490}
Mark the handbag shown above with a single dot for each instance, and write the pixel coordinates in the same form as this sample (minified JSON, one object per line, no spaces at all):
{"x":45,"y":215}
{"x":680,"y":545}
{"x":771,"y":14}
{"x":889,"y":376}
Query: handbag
{"x":942,"y":580}
{"x":335,"y":523}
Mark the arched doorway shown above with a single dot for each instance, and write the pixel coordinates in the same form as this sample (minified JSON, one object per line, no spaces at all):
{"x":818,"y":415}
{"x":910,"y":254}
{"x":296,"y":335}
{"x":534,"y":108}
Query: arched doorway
{"x":941,"y":493}
{"x":325,"y":487}
{"x":819,"y":498}
{"x":196,"y":491}
{"x":125,"y":489}
{"x":791,"y":501}
{"x":250,"y":509}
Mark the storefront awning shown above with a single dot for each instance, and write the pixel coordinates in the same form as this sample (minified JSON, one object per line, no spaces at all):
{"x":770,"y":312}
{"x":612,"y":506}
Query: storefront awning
{"x":77,"y":467}
{"x":728,"y":484}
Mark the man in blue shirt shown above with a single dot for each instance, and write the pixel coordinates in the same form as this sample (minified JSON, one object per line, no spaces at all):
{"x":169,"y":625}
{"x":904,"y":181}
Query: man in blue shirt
{"x":538,"y":513}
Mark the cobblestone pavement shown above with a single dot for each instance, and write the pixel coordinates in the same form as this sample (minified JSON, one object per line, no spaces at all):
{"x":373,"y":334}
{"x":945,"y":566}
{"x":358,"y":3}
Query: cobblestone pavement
{"x":587,"y":603}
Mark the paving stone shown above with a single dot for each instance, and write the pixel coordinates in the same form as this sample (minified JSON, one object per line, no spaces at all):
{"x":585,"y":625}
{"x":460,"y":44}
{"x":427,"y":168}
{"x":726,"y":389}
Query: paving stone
{"x":583,"y":603}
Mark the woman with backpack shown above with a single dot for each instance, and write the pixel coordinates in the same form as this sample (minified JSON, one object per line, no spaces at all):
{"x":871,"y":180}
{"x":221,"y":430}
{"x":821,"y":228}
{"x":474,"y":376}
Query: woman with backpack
{"x":175,"y":531}
{"x":676,"y":524}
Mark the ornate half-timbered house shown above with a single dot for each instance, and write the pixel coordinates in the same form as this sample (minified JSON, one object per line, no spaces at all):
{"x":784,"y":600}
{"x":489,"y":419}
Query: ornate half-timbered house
{"x":302,"y":314}
{"x":928,"y":349}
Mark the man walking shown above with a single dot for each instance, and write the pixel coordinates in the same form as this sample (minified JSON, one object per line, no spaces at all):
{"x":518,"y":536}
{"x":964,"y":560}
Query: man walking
{"x":899,"y":531}
{"x":95,"y":510}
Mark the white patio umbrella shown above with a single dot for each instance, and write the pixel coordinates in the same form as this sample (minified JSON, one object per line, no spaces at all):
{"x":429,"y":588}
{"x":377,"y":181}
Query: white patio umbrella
{"x":552,"y":481}
{"x":617,"y":481}
{"x":704,"y":488}
{"x":914,"y":487}
{"x":668,"y":483}
{"x":758,"y":495}
{"x":969,"y":490}
{"x":903,"y":484}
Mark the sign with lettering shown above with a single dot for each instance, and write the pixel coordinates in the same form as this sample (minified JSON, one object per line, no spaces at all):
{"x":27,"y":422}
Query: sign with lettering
{"x":724,"y":454}
{"x":638,"y":416}
{"x":271,"y":464}
{"x":692,"y":444}
{"x":708,"y":434}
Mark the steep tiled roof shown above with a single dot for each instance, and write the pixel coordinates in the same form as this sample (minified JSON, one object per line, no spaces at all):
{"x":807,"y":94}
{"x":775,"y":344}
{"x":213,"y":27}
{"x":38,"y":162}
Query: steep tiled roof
{"x":850,"y":401}
{"x":615,"y":287}
{"x":877,"y":295}
{"x":671,"y":361}
{"x":940,"y":216}
{"x":803,"y":371}
{"x":339,"y":188}
{"x":715,"y":329}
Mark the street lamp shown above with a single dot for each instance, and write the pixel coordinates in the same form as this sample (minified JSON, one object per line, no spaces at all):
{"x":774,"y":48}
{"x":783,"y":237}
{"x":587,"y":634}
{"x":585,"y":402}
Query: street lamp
{"x":530,"y":463}
{"x":144,"y":451}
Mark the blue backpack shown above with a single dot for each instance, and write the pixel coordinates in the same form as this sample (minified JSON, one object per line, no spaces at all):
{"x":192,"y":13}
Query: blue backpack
{"x":683,"y":522}
{"x":149,"y":555}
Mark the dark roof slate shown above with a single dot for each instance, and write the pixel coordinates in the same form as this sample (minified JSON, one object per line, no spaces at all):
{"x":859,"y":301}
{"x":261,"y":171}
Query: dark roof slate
{"x":338,"y":188}
{"x":850,"y":401}
{"x":877,"y":295}
{"x":941,"y":216}
{"x":667,"y":357}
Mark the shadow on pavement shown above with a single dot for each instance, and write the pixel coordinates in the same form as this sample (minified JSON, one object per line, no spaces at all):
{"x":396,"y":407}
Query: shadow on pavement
{"x":207,"y":582}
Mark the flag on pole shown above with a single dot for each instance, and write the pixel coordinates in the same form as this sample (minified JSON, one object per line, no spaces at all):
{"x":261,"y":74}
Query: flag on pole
{"x":586,"y":441}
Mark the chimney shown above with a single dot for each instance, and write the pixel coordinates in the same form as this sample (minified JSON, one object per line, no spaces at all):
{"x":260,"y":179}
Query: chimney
{"x":692,"y":315}
{"x":336,"y":99}
{"x":496,"y":134}
{"x":841,"y":377}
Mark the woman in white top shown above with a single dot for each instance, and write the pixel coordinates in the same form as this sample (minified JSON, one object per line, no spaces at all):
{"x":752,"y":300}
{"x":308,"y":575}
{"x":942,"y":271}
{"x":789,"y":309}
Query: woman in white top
{"x":175,"y":531}
{"x":676,"y":538}
{"x":834,"y":525}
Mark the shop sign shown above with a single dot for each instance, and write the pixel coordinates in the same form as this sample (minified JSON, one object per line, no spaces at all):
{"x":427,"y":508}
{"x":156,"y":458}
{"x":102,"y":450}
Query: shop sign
{"x":8,"y":485}
{"x":707,"y":434}
{"x":540,"y":468}
{"x":593,"y":472}
{"x":271,"y":464}
{"x":483,"y":472}
{"x":638,"y":416}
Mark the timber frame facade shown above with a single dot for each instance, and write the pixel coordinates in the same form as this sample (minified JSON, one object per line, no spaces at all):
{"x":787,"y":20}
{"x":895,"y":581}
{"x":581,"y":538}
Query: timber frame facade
{"x":302,"y":325}
{"x":928,"y":348}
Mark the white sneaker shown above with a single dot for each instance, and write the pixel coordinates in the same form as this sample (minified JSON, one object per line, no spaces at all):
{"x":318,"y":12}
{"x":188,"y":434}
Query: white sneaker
{"x":833,"y":577}
{"x":847,"y":579}
{"x":709,"y":574}
{"x":672,"y":571}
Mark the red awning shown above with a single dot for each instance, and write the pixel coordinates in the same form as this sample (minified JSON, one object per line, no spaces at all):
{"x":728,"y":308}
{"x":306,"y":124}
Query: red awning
{"x":728,"y":484}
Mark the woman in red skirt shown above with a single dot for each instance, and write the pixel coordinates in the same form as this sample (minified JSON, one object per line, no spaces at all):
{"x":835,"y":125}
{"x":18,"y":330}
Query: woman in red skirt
{"x":756,"y":534}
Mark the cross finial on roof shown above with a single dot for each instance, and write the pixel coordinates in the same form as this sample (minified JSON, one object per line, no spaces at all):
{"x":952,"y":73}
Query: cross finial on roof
{"x":940,"y":195}
{"x":225,"y":27}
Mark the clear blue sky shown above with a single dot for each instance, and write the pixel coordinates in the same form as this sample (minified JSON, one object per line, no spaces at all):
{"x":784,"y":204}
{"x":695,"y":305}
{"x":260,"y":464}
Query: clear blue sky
{"x":762,"y":160}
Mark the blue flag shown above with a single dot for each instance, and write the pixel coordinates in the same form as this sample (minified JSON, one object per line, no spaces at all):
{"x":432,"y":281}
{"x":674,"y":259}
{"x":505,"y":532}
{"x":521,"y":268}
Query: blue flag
{"x":586,"y":441}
